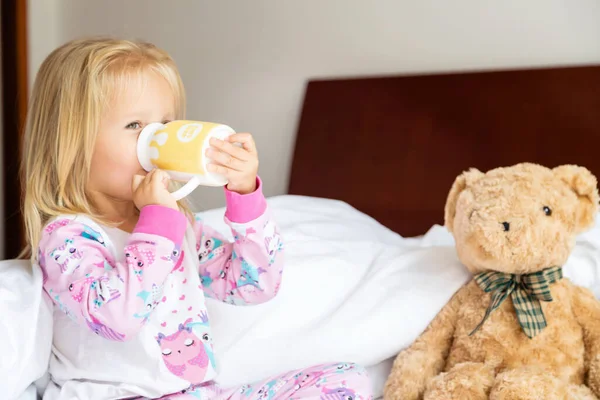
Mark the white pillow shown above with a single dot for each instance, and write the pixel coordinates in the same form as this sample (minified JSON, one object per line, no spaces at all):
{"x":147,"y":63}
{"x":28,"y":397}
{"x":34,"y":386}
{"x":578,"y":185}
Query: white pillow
{"x":25,"y":329}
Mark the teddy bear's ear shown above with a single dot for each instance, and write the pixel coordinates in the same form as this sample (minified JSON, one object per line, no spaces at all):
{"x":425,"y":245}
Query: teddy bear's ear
{"x":460,"y":183}
{"x":585,"y":186}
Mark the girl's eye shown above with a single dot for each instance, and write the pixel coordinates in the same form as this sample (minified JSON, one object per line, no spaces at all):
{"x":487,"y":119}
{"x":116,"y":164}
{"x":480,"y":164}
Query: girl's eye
{"x":133,"y":125}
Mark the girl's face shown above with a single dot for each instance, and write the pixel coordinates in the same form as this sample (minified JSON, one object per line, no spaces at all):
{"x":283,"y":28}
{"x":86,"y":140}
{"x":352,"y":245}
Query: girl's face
{"x":114,"y":162}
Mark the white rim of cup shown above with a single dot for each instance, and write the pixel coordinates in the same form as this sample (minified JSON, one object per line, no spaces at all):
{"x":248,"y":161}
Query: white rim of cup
{"x":144,"y":142}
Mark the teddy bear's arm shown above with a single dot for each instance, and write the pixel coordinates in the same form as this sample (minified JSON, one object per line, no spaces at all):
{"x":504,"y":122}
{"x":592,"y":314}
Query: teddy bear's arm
{"x":425,"y":358}
{"x":587,"y":311}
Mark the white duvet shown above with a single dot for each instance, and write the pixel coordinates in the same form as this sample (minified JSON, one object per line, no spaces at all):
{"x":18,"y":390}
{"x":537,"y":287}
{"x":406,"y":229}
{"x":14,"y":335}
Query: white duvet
{"x":352,"y":291}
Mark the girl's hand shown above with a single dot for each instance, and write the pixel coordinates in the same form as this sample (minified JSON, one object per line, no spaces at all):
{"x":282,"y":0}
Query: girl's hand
{"x":238,"y":164}
{"x":152,"y":190}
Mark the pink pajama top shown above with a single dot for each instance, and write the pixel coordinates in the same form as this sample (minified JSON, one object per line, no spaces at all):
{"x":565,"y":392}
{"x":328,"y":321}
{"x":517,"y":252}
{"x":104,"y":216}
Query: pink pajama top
{"x":130,"y":317}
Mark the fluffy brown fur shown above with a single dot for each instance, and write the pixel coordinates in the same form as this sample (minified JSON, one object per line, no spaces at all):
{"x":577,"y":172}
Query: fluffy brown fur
{"x":499,"y":361}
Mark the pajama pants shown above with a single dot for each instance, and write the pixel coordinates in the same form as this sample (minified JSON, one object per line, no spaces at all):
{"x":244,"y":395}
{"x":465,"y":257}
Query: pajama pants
{"x":326,"y":382}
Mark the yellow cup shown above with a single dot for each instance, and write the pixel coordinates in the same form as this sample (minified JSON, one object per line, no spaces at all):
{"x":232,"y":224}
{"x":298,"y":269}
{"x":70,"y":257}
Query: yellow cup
{"x":179,"y":148}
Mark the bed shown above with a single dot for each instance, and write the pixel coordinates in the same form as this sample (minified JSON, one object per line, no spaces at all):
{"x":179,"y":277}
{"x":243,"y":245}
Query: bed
{"x":362,"y":223}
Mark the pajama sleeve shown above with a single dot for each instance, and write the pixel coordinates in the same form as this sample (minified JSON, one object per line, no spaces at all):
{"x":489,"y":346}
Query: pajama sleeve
{"x":248,"y":270}
{"x":113,"y":299}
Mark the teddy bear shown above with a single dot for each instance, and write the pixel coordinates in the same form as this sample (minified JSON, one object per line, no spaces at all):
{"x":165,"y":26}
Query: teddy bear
{"x":518,"y":329}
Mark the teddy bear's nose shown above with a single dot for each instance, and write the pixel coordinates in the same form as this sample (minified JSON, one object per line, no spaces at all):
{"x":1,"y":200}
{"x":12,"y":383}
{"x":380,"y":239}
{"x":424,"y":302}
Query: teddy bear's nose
{"x":506,"y":226}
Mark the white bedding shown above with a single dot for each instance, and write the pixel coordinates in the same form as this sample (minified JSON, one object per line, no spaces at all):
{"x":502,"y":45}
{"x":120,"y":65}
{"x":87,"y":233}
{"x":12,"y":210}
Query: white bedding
{"x":25,"y":329}
{"x":352,"y":291}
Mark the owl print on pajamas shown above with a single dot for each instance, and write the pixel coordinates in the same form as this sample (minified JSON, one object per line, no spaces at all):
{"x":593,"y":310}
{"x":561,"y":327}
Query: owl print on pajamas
{"x":151,"y":299}
{"x":208,"y":248}
{"x":184,"y":354}
{"x":270,"y":389}
{"x":89,"y":233}
{"x":108,"y":289}
{"x":250,"y":275}
{"x":202,"y":330}
{"x":77,"y":288}
{"x":341,"y":393}
{"x":139,"y":259}
{"x":67,"y":256}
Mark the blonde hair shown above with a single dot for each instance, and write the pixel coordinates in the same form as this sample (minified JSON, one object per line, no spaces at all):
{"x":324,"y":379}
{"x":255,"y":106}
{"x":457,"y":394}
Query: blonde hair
{"x":71,"y":92}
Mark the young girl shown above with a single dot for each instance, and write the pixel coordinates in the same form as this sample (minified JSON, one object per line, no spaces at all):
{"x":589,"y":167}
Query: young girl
{"x":126,"y":270}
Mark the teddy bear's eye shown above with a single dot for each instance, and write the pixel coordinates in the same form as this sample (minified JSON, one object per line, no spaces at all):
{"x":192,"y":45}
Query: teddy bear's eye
{"x":547,"y":211}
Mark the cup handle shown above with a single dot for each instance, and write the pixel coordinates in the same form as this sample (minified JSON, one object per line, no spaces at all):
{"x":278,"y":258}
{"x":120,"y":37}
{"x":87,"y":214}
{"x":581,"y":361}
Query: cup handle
{"x":186,"y":189}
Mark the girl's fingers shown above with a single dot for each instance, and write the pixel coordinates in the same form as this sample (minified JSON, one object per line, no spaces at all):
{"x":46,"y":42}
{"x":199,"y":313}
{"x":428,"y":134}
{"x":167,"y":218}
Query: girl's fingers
{"x":229,"y":148}
{"x":156,"y":175}
{"x":220,"y":169}
{"x":227,"y":160}
{"x":136,"y":181}
{"x":245,"y":139}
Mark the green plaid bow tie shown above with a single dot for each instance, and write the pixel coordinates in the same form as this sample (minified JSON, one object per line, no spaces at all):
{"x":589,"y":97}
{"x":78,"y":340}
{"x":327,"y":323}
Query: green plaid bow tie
{"x":526,"y":292}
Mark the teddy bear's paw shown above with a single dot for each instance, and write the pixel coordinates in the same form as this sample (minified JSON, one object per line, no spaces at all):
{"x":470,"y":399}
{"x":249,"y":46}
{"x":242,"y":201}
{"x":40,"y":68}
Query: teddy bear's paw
{"x":468,"y":381}
{"x":594,"y":374}
{"x":402,"y":392}
{"x":397,"y":388}
{"x":533,"y":384}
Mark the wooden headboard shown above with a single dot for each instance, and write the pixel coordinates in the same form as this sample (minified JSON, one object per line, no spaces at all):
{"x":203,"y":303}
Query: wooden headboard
{"x":392,"y":146}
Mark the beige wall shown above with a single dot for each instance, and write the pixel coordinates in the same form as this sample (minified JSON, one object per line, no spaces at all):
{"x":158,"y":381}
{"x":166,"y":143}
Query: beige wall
{"x":245,"y":63}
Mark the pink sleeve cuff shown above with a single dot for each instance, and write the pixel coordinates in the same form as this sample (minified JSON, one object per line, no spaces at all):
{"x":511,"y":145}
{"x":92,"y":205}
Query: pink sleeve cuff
{"x":162,"y":221}
{"x":243,"y":208}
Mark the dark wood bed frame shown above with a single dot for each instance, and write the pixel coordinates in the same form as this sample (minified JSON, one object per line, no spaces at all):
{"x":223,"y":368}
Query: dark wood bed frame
{"x":13,"y":45}
{"x":392,"y":146}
